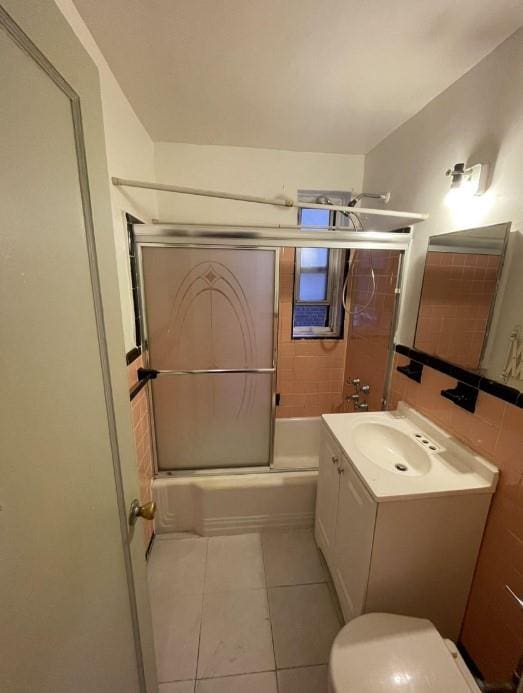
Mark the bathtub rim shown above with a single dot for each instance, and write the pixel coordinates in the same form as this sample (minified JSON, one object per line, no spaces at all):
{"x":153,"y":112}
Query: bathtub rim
{"x":229,"y":471}
{"x":261,"y":469}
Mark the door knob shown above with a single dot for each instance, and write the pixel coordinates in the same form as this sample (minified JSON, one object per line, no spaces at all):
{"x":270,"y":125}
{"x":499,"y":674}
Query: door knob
{"x":147,"y":511}
{"x":334,"y":459}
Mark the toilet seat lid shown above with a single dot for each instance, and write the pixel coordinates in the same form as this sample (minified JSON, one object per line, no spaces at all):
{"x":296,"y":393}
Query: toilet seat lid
{"x":384,"y":653}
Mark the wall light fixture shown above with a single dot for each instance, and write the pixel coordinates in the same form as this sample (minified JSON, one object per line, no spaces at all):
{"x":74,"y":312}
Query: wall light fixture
{"x":468,"y":181}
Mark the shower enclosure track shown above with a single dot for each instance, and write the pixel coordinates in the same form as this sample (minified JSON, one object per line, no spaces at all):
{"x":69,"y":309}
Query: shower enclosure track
{"x":254,"y":237}
{"x":151,"y":373}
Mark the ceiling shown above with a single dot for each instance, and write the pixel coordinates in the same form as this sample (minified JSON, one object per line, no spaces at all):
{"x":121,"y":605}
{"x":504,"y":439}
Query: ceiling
{"x":324,"y":75}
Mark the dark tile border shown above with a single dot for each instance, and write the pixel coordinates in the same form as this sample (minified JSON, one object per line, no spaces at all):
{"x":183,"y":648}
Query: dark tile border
{"x":135,"y":284}
{"x":414,"y":370}
{"x":150,"y":546}
{"x":491,"y":387}
{"x":471,"y":664}
{"x":504,"y":392}
{"x":464,"y":396}
{"x":132,"y":355}
{"x":136,"y":389}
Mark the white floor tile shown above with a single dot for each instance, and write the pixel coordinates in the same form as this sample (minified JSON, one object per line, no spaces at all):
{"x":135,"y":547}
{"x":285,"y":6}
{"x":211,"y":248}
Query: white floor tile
{"x":303,"y":680}
{"x":304,"y":624}
{"x":236,"y":634}
{"x":176,"y":624}
{"x":234,"y":563}
{"x":247,"y":683}
{"x":177,"y":566}
{"x":177,"y":687}
{"x":291,"y":558}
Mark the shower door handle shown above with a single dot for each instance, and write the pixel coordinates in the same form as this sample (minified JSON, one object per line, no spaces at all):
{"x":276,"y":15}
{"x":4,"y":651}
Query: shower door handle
{"x":152,"y":373}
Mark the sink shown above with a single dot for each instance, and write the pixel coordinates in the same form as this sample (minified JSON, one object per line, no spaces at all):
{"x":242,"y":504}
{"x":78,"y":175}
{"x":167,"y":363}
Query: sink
{"x":391,"y":449}
{"x":402,"y":454}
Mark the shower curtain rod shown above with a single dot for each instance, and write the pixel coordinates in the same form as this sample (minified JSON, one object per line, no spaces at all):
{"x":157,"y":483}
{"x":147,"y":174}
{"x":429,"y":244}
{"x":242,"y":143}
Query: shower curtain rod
{"x":278,"y":202}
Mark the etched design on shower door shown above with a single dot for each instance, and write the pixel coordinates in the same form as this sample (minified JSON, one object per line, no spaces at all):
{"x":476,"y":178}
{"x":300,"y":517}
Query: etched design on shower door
{"x":210,"y":309}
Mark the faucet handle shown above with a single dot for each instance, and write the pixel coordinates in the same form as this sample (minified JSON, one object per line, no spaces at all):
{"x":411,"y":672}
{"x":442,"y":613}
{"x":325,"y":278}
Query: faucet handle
{"x":365,"y":389}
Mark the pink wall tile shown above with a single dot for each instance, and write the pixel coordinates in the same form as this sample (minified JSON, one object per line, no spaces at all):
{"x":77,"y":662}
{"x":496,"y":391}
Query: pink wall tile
{"x":309,"y":371}
{"x":132,"y":369}
{"x":455,"y":305}
{"x":142,"y":443}
{"x":309,"y":367}
{"x":369,"y":326}
{"x":492,"y":630}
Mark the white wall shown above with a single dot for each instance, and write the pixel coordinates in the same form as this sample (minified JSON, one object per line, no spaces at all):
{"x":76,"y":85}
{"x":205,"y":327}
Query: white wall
{"x":479,"y":118}
{"x":263,"y":172}
{"x":130,"y":154}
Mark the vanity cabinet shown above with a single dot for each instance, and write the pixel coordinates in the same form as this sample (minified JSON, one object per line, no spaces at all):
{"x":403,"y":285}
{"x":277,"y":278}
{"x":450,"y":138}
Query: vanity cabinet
{"x":413,"y":556}
{"x":354,"y":531}
{"x":327,"y":495}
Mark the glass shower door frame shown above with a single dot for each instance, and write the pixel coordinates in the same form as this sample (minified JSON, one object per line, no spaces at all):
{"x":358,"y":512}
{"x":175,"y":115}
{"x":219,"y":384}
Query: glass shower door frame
{"x":264,"y":238}
{"x":145,"y":356}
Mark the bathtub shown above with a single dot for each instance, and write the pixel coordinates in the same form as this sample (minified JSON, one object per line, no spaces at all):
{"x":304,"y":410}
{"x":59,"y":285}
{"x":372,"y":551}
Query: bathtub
{"x":276,"y":498}
{"x":297,"y":443}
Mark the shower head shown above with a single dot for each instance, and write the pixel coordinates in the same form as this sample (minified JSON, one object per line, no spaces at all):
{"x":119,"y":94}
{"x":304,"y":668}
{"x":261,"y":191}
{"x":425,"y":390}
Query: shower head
{"x":376,"y":196}
{"x":324,"y":200}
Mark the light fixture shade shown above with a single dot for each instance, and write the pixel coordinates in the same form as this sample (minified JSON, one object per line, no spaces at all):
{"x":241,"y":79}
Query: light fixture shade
{"x":471,"y":180}
{"x":457,"y":174}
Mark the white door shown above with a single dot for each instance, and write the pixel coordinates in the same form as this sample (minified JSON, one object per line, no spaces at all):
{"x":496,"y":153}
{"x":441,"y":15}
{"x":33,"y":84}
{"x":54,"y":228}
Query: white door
{"x":74,"y":617}
{"x":354,"y":535}
{"x":327,"y":496}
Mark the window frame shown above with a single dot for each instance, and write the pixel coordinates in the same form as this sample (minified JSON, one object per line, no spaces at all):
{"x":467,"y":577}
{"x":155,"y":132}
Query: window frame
{"x":298,"y":270}
{"x":336,"y":273}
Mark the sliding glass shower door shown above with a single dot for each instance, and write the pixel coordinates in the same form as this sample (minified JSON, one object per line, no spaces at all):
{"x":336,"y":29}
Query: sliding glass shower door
{"x":210,"y":323}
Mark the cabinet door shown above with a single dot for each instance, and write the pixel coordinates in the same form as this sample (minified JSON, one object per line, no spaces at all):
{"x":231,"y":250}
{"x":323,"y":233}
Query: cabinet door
{"x":355,"y":522}
{"x":327,"y":496}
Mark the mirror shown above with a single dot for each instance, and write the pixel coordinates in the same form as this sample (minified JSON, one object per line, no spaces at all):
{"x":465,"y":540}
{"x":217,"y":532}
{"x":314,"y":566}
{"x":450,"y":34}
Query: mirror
{"x":460,"y":287}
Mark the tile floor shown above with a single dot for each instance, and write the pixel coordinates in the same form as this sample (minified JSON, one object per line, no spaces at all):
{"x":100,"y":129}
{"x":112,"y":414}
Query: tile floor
{"x":247,"y":613}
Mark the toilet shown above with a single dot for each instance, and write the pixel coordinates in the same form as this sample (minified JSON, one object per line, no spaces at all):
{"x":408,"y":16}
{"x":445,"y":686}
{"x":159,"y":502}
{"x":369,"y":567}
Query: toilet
{"x":387,"y":653}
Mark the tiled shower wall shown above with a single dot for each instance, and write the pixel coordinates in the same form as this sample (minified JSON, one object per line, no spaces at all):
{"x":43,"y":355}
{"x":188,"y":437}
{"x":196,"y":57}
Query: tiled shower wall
{"x":370,"y":321}
{"x":492,"y":631}
{"x":312,"y":373}
{"x":455,"y":305}
{"x":142,"y":442}
{"x":309,"y":371}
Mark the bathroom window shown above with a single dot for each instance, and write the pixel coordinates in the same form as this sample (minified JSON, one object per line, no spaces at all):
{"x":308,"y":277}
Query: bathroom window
{"x":319,"y":277}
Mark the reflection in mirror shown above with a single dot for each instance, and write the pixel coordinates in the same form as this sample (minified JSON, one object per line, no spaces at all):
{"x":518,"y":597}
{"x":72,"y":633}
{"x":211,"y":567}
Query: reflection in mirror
{"x":460,"y":282}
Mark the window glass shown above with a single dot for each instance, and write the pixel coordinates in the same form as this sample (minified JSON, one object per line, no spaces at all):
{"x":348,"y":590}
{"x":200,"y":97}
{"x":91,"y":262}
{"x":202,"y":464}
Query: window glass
{"x":319,"y":274}
{"x":313,"y":286}
{"x":315,"y":217}
{"x":311,"y":315}
{"x":314,"y":257}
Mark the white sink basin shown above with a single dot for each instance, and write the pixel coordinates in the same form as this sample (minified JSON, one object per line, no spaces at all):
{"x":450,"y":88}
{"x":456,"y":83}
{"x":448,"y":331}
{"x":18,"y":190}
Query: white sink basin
{"x":391,"y":449}
{"x":402,"y":454}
